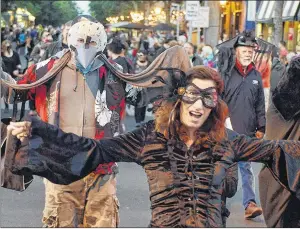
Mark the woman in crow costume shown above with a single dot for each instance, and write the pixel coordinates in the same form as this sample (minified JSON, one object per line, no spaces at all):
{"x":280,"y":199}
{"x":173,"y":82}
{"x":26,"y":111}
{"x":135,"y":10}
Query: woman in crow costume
{"x":185,"y":152}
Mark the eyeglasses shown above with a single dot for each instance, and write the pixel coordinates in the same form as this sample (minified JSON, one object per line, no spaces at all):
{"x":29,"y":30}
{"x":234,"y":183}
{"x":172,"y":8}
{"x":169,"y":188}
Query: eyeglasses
{"x":208,"y":96}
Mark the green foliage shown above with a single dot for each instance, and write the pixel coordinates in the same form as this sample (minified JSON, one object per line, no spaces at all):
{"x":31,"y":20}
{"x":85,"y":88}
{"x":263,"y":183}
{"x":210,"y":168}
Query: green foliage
{"x":56,"y":12}
{"x":103,"y":9}
{"x":6,"y":5}
{"x":31,"y":6}
{"x":47,"y":12}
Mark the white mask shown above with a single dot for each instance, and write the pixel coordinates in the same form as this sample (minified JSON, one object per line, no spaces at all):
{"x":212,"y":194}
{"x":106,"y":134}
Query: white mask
{"x":85,"y":56}
{"x":86,"y":38}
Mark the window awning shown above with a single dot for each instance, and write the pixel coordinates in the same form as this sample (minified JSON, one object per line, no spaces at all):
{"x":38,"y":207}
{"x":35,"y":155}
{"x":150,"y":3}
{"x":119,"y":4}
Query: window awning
{"x":290,"y":10}
{"x":265,"y":13}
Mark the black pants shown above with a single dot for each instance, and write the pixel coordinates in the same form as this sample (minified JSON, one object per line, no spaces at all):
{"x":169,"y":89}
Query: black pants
{"x":6,"y":105}
{"x":31,"y":105}
{"x":139,"y":114}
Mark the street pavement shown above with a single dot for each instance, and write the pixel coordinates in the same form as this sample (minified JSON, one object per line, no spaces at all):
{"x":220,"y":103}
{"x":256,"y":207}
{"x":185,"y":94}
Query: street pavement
{"x":24,"y":209}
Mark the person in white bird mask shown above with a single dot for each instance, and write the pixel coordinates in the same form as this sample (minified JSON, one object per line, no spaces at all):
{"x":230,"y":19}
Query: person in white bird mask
{"x":86,"y":39}
{"x":83,"y":97}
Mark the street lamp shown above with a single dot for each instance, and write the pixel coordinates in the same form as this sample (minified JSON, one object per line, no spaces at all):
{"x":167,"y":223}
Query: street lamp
{"x":223,"y":3}
{"x":157,"y":10}
{"x":112,"y":20}
{"x":157,"y":15}
{"x":136,"y":16}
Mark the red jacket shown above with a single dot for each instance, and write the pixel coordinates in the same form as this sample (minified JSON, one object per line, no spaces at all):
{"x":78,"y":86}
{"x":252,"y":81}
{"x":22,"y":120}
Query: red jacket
{"x":265,"y":71}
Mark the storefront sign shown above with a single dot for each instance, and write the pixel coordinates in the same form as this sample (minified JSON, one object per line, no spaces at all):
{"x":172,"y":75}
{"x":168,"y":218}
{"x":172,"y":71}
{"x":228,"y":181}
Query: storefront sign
{"x":251,"y":10}
{"x":203,"y":21}
{"x":192,"y":10}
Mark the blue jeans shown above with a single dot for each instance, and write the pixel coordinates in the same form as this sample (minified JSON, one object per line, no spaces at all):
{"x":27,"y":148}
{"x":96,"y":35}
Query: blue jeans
{"x":247,"y":183}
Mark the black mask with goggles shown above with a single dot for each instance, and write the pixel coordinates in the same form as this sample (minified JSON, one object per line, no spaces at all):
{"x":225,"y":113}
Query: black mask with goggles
{"x":191,"y":93}
{"x":177,"y":87}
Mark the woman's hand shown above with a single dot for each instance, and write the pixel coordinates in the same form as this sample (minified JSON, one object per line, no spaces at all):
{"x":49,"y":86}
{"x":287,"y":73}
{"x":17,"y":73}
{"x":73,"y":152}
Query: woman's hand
{"x":21,"y":130}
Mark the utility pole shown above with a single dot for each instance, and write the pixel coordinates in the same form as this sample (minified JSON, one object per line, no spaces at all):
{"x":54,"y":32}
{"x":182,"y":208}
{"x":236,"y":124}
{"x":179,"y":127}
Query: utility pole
{"x":177,"y":7}
{"x":177,"y":21}
{"x":147,"y":7}
{"x":278,"y":27}
{"x":198,"y":36}
{"x":190,"y":32}
{"x":49,"y":13}
{"x":205,"y":29}
{"x":167,"y":10}
{"x":212,"y":32}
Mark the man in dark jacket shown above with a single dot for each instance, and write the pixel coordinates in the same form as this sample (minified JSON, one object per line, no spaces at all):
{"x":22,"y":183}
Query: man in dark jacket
{"x":245,"y":99}
{"x":57,"y":46}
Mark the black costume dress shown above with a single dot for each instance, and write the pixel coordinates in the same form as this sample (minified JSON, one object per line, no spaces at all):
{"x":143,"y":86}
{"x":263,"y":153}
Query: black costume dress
{"x":185,"y":184}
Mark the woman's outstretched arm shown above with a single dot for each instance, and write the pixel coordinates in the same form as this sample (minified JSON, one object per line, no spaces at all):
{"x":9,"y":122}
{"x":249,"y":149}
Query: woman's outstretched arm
{"x":281,"y":157}
{"x":64,"y":158}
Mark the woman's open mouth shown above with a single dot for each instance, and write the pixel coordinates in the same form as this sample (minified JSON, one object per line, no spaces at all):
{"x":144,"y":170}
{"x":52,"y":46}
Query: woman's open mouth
{"x":195,"y":114}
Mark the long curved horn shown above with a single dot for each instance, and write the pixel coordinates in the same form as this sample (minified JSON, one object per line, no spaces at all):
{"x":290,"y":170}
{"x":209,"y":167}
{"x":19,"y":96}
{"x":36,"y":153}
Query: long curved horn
{"x":49,"y":75}
{"x":174,"y":57}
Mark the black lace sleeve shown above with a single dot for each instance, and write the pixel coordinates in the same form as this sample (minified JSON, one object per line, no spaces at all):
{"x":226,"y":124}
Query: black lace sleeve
{"x":231,"y":178}
{"x":231,"y":181}
{"x":281,"y":157}
{"x":64,"y":158}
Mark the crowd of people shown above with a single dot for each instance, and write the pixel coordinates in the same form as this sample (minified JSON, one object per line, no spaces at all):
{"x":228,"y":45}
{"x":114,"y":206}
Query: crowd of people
{"x":135,"y":54}
{"x":22,"y":47}
{"x":23,"y":40}
{"x":211,"y":121}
